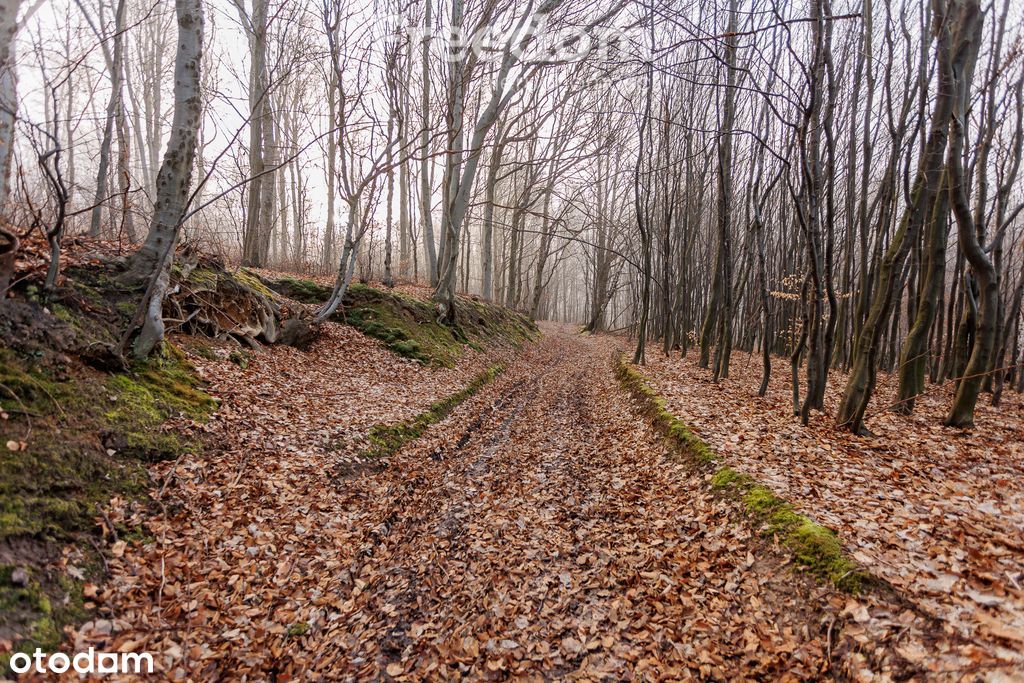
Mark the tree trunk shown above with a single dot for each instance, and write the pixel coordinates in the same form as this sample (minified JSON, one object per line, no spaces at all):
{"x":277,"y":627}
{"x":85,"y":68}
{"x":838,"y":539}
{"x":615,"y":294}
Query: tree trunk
{"x":961,"y":413}
{"x":487,"y":241}
{"x":115,"y":109}
{"x":861,"y":381}
{"x":641,"y":202}
{"x":547,"y":232}
{"x":914,"y":357}
{"x":723,"y":343}
{"x":327,"y":256}
{"x":389,"y":279}
{"x":404,"y":221}
{"x":425,"y":190}
{"x":153,"y":259}
{"x":254,"y":242}
{"x":8,"y":93}
{"x":347,"y":264}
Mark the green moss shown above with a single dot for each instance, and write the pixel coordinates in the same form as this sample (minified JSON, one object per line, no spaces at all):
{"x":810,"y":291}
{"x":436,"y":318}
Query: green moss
{"x":812,"y":545}
{"x":42,"y":486}
{"x":202,"y":278}
{"x":41,"y":623}
{"x":52,"y":487}
{"x":408,"y":326}
{"x":305,"y":291}
{"x":684,"y":441}
{"x":69,"y":416}
{"x":728,"y":477}
{"x":387,"y":439}
{"x":10,"y":521}
{"x":24,"y":387}
{"x":253,"y":282}
{"x":126,"y":308}
{"x":79,"y":432}
{"x":98,"y":282}
{"x":240,"y":358}
{"x":155,"y":390}
{"x":94,"y":304}
{"x":298,"y":629}
{"x":409,"y":349}
{"x":10,"y":594}
{"x":698,"y":449}
{"x":89,"y":293}
{"x":203,"y":351}
{"x":62,"y":312}
{"x":819,"y":549}
{"x":761,"y":501}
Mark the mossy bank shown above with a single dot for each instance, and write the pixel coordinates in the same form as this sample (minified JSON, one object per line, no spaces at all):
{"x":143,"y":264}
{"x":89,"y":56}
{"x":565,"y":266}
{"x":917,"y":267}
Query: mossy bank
{"x":74,"y":436}
{"x":408,"y":326}
{"x":79,"y":427}
{"x":813,"y":546}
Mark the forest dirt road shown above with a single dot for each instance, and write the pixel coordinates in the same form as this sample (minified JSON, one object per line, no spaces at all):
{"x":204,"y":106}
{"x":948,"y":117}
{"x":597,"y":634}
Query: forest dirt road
{"x":553,"y":538}
{"x":538,"y":532}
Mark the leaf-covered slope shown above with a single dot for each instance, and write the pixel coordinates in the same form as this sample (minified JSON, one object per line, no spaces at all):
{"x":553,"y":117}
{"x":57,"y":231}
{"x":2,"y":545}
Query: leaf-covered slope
{"x":74,"y":436}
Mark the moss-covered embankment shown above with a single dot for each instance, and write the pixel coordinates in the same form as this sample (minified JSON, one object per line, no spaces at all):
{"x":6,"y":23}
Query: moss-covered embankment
{"x":75,"y":434}
{"x":813,"y":546}
{"x":408,"y":326}
{"x":78,"y":426}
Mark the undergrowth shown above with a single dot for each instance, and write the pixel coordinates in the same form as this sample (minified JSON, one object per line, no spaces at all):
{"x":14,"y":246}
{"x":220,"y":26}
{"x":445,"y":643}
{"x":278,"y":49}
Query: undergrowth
{"x":813,"y":546}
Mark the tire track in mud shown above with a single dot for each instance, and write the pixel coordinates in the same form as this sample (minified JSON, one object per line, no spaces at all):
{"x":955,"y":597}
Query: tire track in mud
{"x":486,"y":428}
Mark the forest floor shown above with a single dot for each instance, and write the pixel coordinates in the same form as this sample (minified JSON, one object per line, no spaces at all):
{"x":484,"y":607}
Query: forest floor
{"x":374,"y":508}
{"x":936,"y":512}
{"x":537,"y":531}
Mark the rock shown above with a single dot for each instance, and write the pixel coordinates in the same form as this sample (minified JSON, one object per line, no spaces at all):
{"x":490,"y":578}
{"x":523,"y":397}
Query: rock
{"x":113,"y":441}
{"x":19,"y":577}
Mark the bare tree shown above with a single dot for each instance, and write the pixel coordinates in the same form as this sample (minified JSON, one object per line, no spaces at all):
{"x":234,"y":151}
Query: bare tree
{"x":152,"y":262}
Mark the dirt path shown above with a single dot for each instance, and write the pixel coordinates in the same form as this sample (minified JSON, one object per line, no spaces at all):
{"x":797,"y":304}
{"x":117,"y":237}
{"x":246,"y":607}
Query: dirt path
{"x":557,"y":540}
{"x":536,"y":532}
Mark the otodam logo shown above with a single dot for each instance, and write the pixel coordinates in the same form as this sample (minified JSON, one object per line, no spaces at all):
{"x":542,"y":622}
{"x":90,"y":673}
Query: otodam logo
{"x":88,"y":662}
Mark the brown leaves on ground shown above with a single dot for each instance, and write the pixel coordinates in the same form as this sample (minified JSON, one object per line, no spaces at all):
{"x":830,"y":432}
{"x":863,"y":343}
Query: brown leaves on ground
{"x":937,"y":512}
{"x":537,"y":532}
{"x":33,"y":256}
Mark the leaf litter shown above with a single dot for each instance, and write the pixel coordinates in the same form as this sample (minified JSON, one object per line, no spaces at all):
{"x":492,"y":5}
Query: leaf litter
{"x":537,"y":532}
{"x":936,"y":512}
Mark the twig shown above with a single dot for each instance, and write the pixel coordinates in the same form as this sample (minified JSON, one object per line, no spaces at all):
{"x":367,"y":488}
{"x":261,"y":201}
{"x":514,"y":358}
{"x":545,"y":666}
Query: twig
{"x":109,"y":524}
{"x":99,"y":551}
{"x":24,"y":411}
{"x":828,"y":640}
{"x":167,"y":479}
